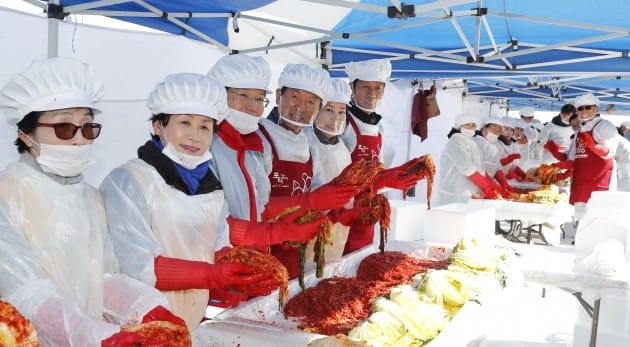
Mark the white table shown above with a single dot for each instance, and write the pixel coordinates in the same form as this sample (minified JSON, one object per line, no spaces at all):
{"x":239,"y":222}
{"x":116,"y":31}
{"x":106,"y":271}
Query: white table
{"x":532,"y":215}
{"x":559,"y":266}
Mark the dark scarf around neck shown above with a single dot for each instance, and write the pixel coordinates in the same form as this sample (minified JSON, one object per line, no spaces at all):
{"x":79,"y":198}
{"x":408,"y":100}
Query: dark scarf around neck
{"x":203,"y":178}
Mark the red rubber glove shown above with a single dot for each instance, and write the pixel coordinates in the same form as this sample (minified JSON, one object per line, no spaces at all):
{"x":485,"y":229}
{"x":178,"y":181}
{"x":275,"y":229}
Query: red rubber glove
{"x":180,"y":274}
{"x":125,"y":338}
{"x":349,"y":216}
{"x":278,"y":204}
{"x":328,"y":197}
{"x":564,"y":175}
{"x":598,"y":149}
{"x":245,"y":233}
{"x":225,"y":299}
{"x":394,"y":178}
{"x":496,"y":187}
{"x":563,"y":165}
{"x":480,"y":181}
{"x":162,"y":314}
{"x":517,"y":174}
{"x":510,"y":158}
{"x":500,"y":176}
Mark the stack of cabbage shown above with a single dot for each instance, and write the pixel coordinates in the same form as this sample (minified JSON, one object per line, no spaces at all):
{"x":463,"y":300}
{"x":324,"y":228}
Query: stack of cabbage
{"x":414,"y":314}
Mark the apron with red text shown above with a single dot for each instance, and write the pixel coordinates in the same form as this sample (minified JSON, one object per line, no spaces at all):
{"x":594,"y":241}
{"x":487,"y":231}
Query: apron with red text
{"x":288,"y":178}
{"x":368,"y":148}
{"x":590,"y":172}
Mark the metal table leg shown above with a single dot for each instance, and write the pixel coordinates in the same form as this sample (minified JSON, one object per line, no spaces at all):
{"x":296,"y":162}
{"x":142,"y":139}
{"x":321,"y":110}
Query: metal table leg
{"x":593,"y":312}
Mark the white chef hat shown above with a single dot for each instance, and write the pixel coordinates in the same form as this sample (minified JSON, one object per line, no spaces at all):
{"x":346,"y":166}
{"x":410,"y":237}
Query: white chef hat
{"x":527,"y":112}
{"x":508,"y":122}
{"x":519,"y":123}
{"x":374,"y":70}
{"x":189,"y":93}
{"x":312,"y":79}
{"x":465,"y":118}
{"x":51,"y":84}
{"x":341,"y":91}
{"x":493,"y":120}
{"x":586,"y":99}
{"x":242,"y":71}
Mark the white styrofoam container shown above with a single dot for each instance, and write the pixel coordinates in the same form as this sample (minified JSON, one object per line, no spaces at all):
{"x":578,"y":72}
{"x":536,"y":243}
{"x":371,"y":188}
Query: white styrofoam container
{"x":407,"y":220}
{"x":594,"y":229}
{"x":449,"y":223}
{"x":607,"y":202}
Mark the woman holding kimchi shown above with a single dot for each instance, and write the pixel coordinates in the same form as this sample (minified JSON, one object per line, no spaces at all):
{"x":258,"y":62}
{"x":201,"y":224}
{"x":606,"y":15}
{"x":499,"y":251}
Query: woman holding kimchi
{"x":56,"y":261}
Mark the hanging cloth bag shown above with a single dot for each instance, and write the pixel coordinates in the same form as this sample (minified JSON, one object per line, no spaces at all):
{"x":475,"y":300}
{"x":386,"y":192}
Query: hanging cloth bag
{"x":424,"y":106}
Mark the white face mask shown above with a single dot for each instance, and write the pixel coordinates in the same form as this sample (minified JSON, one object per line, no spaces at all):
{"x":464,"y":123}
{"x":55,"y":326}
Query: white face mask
{"x":467,"y":132}
{"x":492,"y":137}
{"x":186,"y":160}
{"x":329,"y":133}
{"x":243,"y":122}
{"x":63,"y":160}
{"x":334,"y":130}
{"x":364,"y":109}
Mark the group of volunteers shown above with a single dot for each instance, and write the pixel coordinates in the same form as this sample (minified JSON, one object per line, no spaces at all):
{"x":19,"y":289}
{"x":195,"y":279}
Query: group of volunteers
{"x":80,"y":262}
{"x":482,"y":154}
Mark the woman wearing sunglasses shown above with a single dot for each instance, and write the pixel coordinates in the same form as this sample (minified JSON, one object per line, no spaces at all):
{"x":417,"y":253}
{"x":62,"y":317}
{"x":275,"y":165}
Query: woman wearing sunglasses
{"x":56,"y":261}
{"x":165,"y":207}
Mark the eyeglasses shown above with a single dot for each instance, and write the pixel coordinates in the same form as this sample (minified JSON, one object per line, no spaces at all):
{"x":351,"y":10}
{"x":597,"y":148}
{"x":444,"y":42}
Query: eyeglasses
{"x":66,"y":131}
{"x":587,"y":107}
{"x":251,"y":99}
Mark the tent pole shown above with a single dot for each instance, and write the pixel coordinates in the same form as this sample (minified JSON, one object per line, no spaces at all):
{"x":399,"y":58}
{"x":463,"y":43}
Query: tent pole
{"x":53,"y":31}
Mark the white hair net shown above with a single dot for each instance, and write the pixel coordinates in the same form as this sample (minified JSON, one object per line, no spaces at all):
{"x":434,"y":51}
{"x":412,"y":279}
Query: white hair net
{"x":189,"y":93}
{"x":586,"y":99}
{"x":50,"y":84}
{"x":374,"y":70}
{"x":312,"y":79}
{"x":242,"y":71}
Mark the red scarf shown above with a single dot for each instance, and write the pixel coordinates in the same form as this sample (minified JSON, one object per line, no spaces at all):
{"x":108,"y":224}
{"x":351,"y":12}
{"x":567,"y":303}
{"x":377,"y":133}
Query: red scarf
{"x":241,"y":143}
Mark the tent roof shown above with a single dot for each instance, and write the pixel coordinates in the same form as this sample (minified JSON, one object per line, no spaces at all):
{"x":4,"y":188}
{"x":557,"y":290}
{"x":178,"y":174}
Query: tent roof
{"x":540,"y":53}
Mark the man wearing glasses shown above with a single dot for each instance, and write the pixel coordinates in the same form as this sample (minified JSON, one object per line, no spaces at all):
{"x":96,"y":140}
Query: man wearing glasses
{"x":591,"y":154}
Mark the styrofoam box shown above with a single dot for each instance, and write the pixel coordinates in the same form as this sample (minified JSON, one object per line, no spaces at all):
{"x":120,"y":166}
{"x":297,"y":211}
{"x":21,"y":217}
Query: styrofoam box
{"x":593,"y":230}
{"x":407,"y":220}
{"x":609,"y":201}
{"x":614,"y":319}
{"x":449,"y":223}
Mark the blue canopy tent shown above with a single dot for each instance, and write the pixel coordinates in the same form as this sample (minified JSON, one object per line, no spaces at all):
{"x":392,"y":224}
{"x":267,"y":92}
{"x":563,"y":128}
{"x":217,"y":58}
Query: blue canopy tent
{"x":537,"y":53}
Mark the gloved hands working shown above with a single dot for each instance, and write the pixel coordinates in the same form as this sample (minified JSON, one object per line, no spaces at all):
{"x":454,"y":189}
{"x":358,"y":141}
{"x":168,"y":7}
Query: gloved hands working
{"x":246,"y":233}
{"x":328,"y":197}
{"x":510,"y":158}
{"x":126,"y":338}
{"x":349,"y":216}
{"x":589,"y":142}
{"x":563,"y":165}
{"x":500,"y":176}
{"x":180,"y":274}
{"x":486,"y":186}
{"x":554,"y":149}
{"x":396,"y":178}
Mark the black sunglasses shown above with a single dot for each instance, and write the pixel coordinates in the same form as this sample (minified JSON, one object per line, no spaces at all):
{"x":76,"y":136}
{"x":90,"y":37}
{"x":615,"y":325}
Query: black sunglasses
{"x":587,"y":107}
{"x":66,"y":131}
